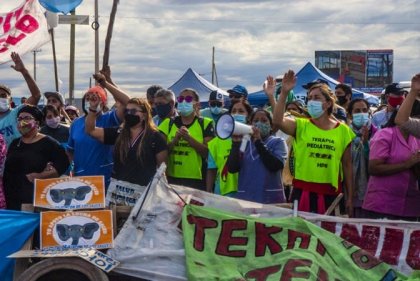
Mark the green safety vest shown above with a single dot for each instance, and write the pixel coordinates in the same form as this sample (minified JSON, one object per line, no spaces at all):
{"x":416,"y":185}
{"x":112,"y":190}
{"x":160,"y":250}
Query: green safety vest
{"x":318,"y":152}
{"x":184,"y":162}
{"x":220,"y":150}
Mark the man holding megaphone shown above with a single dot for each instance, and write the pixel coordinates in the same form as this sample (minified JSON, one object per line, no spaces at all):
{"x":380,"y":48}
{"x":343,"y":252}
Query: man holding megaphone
{"x":261,"y":162}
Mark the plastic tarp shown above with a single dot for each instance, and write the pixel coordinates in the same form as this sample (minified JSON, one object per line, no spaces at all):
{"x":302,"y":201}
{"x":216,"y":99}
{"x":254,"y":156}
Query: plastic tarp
{"x":192,"y":79}
{"x":15,"y":228}
{"x":305,"y":75}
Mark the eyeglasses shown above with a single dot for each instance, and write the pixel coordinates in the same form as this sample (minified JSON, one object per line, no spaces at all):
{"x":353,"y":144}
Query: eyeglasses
{"x":133,"y":111}
{"x":215,"y":104}
{"x":25,"y":118}
{"x":186,"y":98}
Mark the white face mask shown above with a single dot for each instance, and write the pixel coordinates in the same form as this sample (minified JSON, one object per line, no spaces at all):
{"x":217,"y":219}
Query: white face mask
{"x":53,"y":122}
{"x":4,"y":104}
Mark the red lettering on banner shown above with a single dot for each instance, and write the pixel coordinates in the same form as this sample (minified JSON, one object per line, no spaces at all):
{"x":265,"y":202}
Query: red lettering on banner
{"x":392,"y":246}
{"x":6,"y":25}
{"x":329,"y":226}
{"x":14,"y":40}
{"x":294,"y":235}
{"x":201,"y":224}
{"x":226,"y":239}
{"x":265,"y":240}
{"x":27,"y":24}
{"x":290,"y":272}
{"x":413,"y":254}
{"x":320,"y":248}
{"x":364,"y":260}
{"x":261,"y":274}
{"x":322,"y":275}
{"x":368,"y":240}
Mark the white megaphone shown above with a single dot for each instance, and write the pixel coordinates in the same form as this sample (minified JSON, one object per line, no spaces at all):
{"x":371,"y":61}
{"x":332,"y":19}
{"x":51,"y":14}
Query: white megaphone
{"x":226,"y":126}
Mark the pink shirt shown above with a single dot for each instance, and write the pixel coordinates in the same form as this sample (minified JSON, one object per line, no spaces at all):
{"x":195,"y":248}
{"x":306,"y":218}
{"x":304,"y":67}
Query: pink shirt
{"x":397,"y":194}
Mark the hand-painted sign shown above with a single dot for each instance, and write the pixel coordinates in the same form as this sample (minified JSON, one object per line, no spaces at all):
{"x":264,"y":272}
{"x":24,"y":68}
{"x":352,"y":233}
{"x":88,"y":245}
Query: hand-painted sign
{"x":64,"y":230}
{"x":22,"y":30}
{"x":86,"y":192}
{"x":221,"y":245}
{"x":123,"y":193}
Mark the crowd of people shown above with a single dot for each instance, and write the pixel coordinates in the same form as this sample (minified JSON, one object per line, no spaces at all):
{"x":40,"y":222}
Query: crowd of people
{"x":310,"y":151}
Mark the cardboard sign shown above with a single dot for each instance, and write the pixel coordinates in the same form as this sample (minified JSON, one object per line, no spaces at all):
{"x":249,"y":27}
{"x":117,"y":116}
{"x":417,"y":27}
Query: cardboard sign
{"x":65,"y":230}
{"x":98,"y":259}
{"x":123,"y":193}
{"x":70,"y":193}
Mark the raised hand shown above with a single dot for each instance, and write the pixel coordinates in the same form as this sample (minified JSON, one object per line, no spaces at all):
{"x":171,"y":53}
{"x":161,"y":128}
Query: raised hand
{"x":19,"y":66}
{"x":101,"y":78}
{"x":288,"y":82}
{"x":269,"y":86}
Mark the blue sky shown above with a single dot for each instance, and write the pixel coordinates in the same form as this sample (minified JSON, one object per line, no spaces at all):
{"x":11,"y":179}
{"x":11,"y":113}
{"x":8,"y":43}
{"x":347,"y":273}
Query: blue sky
{"x":154,"y":42}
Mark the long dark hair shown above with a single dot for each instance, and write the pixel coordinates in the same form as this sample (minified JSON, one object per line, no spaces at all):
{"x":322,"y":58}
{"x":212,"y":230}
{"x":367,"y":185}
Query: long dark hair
{"x":123,"y":142}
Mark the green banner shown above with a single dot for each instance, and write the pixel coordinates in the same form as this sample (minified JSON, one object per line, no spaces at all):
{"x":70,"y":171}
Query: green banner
{"x":226,"y":246}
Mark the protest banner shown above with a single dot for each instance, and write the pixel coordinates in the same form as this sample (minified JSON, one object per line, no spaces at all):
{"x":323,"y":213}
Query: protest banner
{"x":123,"y":193}
{"x":150,"y":244}
{"x":87,"y":192}
{"x":221,"y":245}
{"x":22,"y":30}
{"x":65,"y":230}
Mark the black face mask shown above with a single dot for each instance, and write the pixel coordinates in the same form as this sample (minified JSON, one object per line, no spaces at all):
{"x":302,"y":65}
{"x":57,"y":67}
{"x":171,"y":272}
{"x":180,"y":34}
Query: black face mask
{"x":163,"y":110}
{"x":131,"y":120}
{"x":342,"y":100}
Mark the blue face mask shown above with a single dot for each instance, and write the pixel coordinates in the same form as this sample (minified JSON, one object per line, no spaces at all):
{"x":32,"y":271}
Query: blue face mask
{"x":185,"y":108}
{"x":239,"y":118}
{"x":215,"y":110}
{"x":315,"y":108}
{"x":264,"y":128}
{"x":360,"y":119}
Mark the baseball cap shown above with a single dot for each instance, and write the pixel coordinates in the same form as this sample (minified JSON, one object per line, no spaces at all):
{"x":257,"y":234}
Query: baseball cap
{"x":239,"y":90}
{"x":313,"y":82}
{"x":56,"y":95}
{"x":394,"y":89}
{"x":215,"y":96}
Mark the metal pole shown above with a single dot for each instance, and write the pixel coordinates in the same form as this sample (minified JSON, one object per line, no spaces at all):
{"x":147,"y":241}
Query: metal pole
{"x":72,"y":53}
{"x":96,"y":39}
{"x":212,"y":67}
{"x":34,"y":64}
{"x":54,"y":59}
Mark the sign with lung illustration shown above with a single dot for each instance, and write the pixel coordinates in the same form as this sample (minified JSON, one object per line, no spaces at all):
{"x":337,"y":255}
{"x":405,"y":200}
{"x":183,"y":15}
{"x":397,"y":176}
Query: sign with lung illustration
{"x":70,"y":193}
{"x":68,"y":230}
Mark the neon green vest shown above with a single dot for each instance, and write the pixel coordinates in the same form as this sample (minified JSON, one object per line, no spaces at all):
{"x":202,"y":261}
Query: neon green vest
{"x":184,"y":162}
{"x":318,"y":152}
{"x":220,"y":150}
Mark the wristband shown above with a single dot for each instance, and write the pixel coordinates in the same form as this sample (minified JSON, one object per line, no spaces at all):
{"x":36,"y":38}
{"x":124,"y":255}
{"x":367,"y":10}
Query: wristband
{"x":92,"y":110}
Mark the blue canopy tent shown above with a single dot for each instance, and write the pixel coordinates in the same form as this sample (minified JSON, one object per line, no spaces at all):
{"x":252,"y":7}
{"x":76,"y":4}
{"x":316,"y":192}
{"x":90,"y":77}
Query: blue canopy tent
{"x":307,"y":74}
{"x":192,"y":79}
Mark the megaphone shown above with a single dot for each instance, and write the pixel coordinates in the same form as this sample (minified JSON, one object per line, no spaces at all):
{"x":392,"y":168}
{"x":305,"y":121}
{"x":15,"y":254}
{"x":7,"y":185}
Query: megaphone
{"x":226,"y":126}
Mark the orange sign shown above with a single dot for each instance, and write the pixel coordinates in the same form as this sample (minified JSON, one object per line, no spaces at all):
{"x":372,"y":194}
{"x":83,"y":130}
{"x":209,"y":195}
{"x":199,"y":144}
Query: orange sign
{"x":70,"y":193}
{"x":66,"y":230}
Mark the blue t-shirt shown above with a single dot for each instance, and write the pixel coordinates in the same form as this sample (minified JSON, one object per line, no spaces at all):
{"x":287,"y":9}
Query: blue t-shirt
{"x":8,"y":125}
{"x":90,"y":156}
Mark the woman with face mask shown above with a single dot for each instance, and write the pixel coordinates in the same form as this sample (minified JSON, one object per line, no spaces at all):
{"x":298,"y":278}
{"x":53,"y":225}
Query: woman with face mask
{"x":53,"y":126}
{"x":32,"y":156}
{"x":322,"y":154}
{"x":360,"y":123}
{"x":139,"y":148}
{"x":261,"y":164}
{"x":187,"y":136}
{"x":218,"y":179}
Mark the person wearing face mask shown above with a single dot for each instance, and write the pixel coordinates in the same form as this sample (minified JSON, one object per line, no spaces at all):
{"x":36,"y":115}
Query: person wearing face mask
{"x":8,"y":115}
{"x":322,"y":154}
{"x":139,"y":148}
{"x":411,"y":103}
{"x":150,"y":95}
{"x":32,"y":156}
{"x":164,"y":105}
{"x":215,"y":109}
{"x":187,"y":136}
{"x":393,"y":191}
{"x":56,"y":99}
{"x":395,"y":97}
{"x":343,"y":93}
{"x":53,"y":126}
{"x":261,"y":164}
{"x":90,"y":156}
{"x":358,"y":112}
{"x":219,"y":180}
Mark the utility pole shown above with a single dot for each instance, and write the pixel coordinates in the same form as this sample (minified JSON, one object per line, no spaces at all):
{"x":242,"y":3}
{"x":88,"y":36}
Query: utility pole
{"x":213,"y":71}
{"x":96,"y":38}
{"x":35,"y":51}
{"x":72,"y":53}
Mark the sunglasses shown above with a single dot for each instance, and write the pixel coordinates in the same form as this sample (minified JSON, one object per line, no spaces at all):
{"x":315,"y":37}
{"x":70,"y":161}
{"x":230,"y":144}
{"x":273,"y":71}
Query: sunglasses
{"x":133,"y":111}
{"x":187,"y":99}
{"x":215,"y":104}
